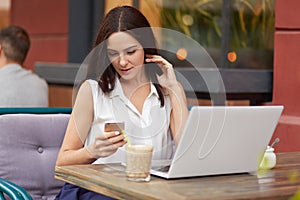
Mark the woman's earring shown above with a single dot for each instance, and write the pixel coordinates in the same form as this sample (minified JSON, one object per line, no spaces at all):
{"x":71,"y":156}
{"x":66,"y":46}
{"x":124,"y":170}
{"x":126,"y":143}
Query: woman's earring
{"x":109,"y":84}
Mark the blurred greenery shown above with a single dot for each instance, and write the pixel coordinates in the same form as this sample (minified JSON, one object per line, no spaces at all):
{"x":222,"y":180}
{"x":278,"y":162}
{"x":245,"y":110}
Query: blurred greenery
{"x":252,"y":21}
{"x":198,"y":19}
{"x":251,"y":26}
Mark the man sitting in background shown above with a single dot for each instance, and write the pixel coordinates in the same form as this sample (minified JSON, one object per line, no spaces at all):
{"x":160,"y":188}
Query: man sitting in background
{"x":19,"y":87}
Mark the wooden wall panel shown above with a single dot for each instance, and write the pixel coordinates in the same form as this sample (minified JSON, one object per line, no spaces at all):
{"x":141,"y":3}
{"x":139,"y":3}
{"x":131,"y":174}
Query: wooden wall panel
{"x":286,"y":79}
{"x":287,"y":71}
{"x":41,"y":17}
{"x":287,"y":14}
{"x":47,"y":49}
{"x":60,"y":96}
{"x":47,"y":24}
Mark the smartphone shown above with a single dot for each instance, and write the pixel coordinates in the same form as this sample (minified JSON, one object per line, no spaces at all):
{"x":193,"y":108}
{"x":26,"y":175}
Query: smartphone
{"x":114,"y":126}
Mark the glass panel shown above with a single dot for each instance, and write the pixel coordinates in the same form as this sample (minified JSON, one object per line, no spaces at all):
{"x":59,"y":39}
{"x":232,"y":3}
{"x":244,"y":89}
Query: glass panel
{"x":252,"y":33}
{"x":242,"y":31}
{"x":4,"y":13}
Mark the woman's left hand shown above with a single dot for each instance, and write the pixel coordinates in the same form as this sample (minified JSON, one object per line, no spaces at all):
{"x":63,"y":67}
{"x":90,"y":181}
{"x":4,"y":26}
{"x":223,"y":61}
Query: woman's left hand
{"x":176,"y":93}
{"x":167,"y":79}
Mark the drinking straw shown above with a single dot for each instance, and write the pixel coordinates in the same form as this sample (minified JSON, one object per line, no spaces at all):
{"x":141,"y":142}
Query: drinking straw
{"x":126,"y":137}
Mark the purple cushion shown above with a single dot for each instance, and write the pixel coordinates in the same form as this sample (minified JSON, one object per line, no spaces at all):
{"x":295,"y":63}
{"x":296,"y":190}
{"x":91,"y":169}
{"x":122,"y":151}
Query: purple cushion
{"x":29,"y":144}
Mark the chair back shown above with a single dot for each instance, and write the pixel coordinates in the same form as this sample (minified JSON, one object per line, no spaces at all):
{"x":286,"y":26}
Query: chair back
{"x":29,"y":144}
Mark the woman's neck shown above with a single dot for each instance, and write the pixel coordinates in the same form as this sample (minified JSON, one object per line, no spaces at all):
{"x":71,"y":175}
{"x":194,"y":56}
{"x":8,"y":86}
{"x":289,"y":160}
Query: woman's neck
{"x":133,"y":84}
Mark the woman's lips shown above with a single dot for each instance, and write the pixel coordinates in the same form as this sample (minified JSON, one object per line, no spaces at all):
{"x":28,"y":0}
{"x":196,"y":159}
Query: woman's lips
{"x":126,"y":70}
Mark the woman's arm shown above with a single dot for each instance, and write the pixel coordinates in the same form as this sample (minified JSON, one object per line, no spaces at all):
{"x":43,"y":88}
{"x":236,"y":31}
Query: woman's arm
{"x":179,"y":112}
{"x":72,"y":151}
{"x":169,"y":82}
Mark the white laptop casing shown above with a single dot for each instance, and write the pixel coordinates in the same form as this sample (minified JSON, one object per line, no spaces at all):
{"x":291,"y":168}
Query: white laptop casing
{"x":223,"y":140}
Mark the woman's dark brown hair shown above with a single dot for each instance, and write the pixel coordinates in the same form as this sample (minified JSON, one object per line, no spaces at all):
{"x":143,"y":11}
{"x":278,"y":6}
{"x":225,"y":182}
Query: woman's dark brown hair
{"x":131,"y":20}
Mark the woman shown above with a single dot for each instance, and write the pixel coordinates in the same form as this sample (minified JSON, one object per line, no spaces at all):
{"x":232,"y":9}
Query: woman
{"x":135,"y":85}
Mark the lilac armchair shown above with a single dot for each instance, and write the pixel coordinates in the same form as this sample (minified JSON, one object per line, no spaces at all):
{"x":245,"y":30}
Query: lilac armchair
{"x":29,"y":144}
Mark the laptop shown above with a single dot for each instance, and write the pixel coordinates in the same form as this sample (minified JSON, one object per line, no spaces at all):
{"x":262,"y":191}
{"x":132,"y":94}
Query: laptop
{"x":222,"y":140}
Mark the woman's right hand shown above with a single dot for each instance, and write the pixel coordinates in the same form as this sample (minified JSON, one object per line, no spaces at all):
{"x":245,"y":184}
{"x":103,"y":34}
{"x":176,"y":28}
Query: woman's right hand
{"x":106,"y":144}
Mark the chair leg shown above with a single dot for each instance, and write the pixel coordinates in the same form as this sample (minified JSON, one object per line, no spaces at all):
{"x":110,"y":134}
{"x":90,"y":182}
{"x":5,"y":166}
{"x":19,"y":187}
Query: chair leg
{"x":2,"y":196}
{"x":12,"y":190}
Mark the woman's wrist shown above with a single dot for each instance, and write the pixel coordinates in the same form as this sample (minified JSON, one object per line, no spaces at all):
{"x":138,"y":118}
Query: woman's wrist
{"x":174,"y":90}
{"x":89,"y":155}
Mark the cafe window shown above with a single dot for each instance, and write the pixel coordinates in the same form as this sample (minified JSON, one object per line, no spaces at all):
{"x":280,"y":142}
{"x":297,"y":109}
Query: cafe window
{"x":4,"y":13}
{"x":237,"y":34}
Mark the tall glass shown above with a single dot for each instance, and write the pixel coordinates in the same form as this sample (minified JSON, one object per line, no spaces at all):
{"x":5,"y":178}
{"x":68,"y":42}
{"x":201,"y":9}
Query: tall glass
{"x":138,"y":162}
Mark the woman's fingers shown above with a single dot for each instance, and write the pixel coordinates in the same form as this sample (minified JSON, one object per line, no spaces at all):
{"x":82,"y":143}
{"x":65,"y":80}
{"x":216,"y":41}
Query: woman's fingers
{"x":109,"y":149}
{"x":168,"y":78}
{"x":108,"y":143}
{"x":158,"y":59}
{"x":114,"y":147}
{"x":163,"y":63}
{"x":109,"y":134}
{"x":109,"y":138}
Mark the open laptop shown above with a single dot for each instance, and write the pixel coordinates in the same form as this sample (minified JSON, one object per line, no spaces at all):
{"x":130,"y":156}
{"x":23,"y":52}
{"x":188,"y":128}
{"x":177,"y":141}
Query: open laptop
{"x":222,"y":140}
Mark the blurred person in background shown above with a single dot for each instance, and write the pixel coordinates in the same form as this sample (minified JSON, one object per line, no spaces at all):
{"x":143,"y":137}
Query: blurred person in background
{"x":19,"y":87}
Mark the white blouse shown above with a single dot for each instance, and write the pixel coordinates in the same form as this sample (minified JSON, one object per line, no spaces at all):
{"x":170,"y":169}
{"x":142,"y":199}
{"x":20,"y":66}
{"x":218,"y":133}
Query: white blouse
{"x":149,"y":127}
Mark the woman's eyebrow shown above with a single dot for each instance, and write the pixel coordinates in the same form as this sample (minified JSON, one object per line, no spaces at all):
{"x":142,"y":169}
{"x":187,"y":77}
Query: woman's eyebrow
{"x":133,"y":46}
{"x":112,"y":50}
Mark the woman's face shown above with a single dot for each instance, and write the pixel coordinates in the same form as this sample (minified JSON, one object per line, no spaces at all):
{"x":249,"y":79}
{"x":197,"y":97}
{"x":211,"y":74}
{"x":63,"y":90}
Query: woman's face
{"x":126,"y":55}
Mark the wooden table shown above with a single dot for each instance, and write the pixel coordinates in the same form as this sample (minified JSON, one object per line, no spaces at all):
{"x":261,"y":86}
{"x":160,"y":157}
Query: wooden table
{"x":281,"y":182}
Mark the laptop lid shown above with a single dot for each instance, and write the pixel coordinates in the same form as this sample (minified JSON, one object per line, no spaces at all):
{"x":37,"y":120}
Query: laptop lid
{"x":223,"y":140}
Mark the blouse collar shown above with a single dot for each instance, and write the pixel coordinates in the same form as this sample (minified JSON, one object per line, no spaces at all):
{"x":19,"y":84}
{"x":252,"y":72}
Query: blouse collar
{"x":118,"y":91}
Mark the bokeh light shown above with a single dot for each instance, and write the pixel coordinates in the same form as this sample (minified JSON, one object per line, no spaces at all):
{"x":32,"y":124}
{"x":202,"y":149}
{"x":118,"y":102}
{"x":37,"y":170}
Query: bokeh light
{"x":181,"y":53}
{"x":231,"y":56}
{"x":188,"y":20}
